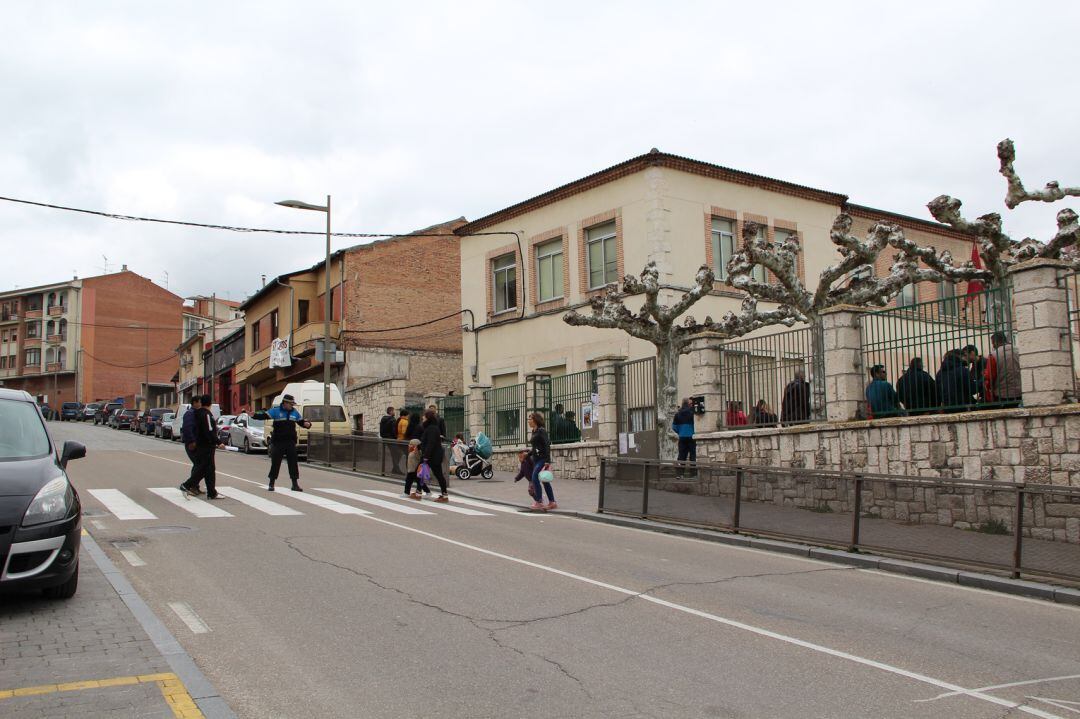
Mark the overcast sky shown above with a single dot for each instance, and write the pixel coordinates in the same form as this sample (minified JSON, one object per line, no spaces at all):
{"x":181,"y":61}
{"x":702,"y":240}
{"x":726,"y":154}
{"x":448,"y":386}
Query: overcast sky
{"x":414,"y":113}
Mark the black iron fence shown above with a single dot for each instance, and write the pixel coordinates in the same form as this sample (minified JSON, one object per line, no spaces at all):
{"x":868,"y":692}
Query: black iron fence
{"x":773,"y":379}
{"x":1018,"y":528}
{"x":504,"y":415}
{"x":364,"y":453}
{"x":570,"y":405}
{"x":1072,"y":298}
{"x":454,"y":410}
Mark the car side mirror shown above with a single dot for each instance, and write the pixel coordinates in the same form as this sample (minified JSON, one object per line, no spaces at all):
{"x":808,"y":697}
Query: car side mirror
{"x":71,"y":450}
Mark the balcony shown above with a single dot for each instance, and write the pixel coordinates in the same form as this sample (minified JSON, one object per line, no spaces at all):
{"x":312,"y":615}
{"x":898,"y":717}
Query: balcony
{"x":32,"y":314}
{"x":54,"y":367}
{"x":31,"y":342}
{"x":9,"y":317}
{"x":30,"y":370}
{"x":57,"y":310}
{"x":55,"y":339}
{"x":6,"y":372}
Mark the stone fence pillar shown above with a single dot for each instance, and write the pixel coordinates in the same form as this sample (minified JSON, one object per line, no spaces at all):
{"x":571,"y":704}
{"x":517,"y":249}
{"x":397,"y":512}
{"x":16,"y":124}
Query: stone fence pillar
{"x":605,"y":414}
{"x":477,"y":408}
{"x":1041,"y":332}
{"x":845,"y":380}
{"x":432,"y":399}
{"x":705,"y":360}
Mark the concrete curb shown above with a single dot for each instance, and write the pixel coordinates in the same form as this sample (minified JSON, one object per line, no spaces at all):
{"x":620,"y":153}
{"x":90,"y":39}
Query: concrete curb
{"x":1005,"y":585}
{"x":206,"y":697}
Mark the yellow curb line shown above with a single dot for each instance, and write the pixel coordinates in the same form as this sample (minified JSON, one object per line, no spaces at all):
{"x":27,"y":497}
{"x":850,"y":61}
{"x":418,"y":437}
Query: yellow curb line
{"x":172,"y":689}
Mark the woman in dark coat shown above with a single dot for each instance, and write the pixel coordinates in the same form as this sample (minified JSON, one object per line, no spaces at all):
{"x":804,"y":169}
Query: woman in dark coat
{"x":955,"y":385}
{"x":431,"y":450}
{"x":415,"y":430}
{"x":541,"y":455}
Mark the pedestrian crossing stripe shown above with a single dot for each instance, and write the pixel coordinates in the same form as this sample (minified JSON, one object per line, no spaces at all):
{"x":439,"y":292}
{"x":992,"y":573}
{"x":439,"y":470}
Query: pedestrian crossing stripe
{"x":403,"y":509}
{"x":120,"y":505}
{"x":448,"y":507}
{"x":324,"y":502}
{"x":196,"y":506}
{"x":256,"y":502}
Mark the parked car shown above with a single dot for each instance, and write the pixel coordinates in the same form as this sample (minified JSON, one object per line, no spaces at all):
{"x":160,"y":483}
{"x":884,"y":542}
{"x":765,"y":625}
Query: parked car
{"x":106,"y":412}
{"x":178,"y":418}
{"x":46,"y":411}
{"x":71,"y":411}
{"x":150,"y":420}
{"x":247,"y":433}
{"x":39,"y":507}
{"x":134,"y":426}
{"x":224,"y":422}
{"x":121,"y":419}
{"x":90,"y":410}
{"x":163,"y":427}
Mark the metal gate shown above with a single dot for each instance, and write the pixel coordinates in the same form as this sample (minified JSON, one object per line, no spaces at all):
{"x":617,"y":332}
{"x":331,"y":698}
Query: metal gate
{"x":454,"y":409}
{"x":635,"y":402}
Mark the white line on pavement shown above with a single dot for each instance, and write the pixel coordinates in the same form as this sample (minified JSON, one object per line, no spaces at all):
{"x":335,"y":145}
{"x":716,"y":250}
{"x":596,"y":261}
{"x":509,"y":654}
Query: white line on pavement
{"x":189,"y":617}
{"x":190,"y":504}
{"x":97,"y":524}
{"x":448,"y":507}
{"x":1005,"y":686}
{"x":132,"y":558}
{"x":377,"y":502}
{"x":256,"y":502}
{"x":498,"y":507}
{"x":120,"y":505}
{"x":760,"y":631}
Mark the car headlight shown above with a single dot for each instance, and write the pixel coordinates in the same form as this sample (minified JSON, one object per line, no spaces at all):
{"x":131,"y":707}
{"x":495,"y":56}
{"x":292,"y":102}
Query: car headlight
{"x":51,"y":503}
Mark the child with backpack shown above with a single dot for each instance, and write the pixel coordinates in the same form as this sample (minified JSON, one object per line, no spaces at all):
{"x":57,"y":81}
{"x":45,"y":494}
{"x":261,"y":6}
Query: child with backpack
{"x":412,"y":466}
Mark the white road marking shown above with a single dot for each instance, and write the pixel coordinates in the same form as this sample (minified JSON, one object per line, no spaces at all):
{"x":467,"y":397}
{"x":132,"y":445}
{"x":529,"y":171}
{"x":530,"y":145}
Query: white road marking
{"x":1069,"y":706}
{"x":760,"y":631}
{"x":1005,"y":686}
{"x":496,"y":507}
{"x":120,"y":505}
{"x":448,"y":507}
{"x":189,"y":617}
{"x":377,"y":502}
{"x":256,"y":502}
{"x":98,"y":524}
{"x":194,"y":505}
{"x":132,"y":558}
{"x":963,"y":587}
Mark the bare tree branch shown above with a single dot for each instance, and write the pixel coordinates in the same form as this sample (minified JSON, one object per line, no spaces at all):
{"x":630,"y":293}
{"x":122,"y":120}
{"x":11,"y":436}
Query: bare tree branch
{"x":1016,"y":192}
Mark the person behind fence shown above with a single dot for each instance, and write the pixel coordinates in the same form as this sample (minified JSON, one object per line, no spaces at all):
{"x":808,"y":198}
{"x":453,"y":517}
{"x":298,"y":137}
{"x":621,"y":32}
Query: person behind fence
{"x":432,"y":451}
{"x":541,"y":456}
{"x":573,"y":434}
{"x":795,"y":406}
{"x":683,"y":424}
{"x":403,"y":426}
{"x":388,"y":430}
{"x":955,"y":385}
{"x":283,"y":440}
{"x":761,"y":413}
{"x":977,"y":367}
{"x":916,"y":389}
{"x":734,"y":417}
{"x":1003,"y":372}
{"x":880,"y":395}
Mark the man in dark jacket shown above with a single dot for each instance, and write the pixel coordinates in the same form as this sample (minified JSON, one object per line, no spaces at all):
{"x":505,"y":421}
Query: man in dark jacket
{"x":388,"y":431}
{"x":955,"y":385}
{"x":880,"y":395}
{"x":917,"y":389}
{"x":206,"y":442}
{"x":795,"y":406}
{"x":283,"y":440}
{"x":977,"y":369}
{"x":683,"y":424}
{"x":187,"y":438}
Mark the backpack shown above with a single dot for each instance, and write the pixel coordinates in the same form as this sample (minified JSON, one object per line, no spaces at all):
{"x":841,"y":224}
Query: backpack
{"x":483,"y":445}
{"x":388,"y":427}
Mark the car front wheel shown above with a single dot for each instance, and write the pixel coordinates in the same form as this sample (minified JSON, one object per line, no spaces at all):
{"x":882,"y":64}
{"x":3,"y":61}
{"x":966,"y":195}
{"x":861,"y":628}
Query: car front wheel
{"x":65,"y":590}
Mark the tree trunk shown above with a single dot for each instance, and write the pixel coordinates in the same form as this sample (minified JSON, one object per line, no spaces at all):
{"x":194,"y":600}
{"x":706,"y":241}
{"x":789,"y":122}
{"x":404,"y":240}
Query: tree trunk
{"x":667,"y":398}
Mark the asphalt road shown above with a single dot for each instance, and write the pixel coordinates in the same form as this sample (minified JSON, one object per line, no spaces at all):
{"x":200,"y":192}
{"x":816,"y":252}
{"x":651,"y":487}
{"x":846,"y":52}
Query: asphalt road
{"x":347,"y":608}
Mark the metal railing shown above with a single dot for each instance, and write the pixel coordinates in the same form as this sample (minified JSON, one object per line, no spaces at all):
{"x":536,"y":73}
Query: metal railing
{"x":455,"y":412}
{"x":504,"y":415}
{"x":1072,"y":299}
{"x":1022,"y":529}
{"x":758,"y":382}
{"x":363,"y":453}
{"x":635,"y":395}
{"x":940,"y":356}
{"x":571,"y":395}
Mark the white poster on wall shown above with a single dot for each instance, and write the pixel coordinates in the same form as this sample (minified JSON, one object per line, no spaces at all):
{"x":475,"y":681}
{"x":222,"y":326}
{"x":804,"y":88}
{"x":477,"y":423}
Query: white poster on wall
{"x":279,"y":353}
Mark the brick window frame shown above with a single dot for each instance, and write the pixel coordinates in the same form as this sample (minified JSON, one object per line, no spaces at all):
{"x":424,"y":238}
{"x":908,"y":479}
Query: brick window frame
{"x":583,"y":264}
{"x":720,"y":213}
{"x":534,"y":278}
{"x":489,"y":282}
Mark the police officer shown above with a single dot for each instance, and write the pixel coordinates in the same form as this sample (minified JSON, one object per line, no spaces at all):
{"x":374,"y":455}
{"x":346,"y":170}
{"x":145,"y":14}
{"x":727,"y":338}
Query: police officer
{"x":283,"y":440}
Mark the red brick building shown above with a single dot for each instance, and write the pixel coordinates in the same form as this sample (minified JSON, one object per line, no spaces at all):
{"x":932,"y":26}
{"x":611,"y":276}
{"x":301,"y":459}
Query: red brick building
{"x":90,"y":339}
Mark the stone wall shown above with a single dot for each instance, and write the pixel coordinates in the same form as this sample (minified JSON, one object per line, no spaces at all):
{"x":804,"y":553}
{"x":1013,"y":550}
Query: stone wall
{"x":368,"y":401}
{"x":580,"y":460}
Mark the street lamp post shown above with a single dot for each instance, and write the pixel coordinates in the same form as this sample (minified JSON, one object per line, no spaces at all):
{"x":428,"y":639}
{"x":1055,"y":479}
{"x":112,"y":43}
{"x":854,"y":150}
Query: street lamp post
{"x":327,"y":309}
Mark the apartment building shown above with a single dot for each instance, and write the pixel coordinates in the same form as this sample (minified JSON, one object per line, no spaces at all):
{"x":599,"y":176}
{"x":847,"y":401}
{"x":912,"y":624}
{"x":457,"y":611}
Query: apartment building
{"x":89,"y":339}
{"x":573,"y":241}
{"x":409,"y":282}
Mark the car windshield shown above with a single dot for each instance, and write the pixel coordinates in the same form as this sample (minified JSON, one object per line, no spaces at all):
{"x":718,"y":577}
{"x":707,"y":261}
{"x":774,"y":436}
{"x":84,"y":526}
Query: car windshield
{"x":315,"y":413}
{"x":252,"y":422}
{"x":130,"y":412}
{"x":22,"y":435}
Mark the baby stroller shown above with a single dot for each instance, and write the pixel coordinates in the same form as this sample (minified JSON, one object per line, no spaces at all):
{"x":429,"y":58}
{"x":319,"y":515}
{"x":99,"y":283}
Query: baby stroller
{"x":473,"y":461}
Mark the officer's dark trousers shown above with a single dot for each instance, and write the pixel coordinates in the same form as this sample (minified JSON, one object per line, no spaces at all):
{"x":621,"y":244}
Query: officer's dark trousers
{"x":288,"y":451}
{"x":204,"y":468}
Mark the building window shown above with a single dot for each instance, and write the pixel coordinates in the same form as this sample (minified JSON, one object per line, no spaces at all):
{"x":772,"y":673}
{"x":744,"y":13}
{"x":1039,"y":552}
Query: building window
{"x":52,"y":299}
{"x":62,"y":298}
{"x":33,"y":330}
{"x":33,"y":302}
{"x":33,"y":357}
{"x":302,"y":309}
{"x":14,"y":335}
{"x":255,"y":337}
{"x":63,"y":329}
{"x":50,"y":328}
{"x":61,"y":356}
{"x":50,"y":356}
{"x":3,"y":362}
{"x":601,"y":254}
{"x":4,"y":336}
{"x":947,"y":295}
{"x":907,"y":296}
{"x":504,"y":271}
{"x":549,"y":270}
{"x":274,"y":324}
{"x":723,"y":245}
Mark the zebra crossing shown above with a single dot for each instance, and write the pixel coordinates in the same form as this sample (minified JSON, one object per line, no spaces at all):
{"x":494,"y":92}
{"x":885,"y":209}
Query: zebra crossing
{"x":155,"y":502}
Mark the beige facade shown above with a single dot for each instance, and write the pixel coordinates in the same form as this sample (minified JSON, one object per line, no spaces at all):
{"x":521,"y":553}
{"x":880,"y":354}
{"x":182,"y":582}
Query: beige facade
{"x":662,"y":208}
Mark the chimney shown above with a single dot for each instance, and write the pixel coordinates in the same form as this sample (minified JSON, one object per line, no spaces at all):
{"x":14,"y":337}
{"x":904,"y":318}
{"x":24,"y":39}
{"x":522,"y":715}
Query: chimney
{"x":123,"y":268}
{"x":264,"y":280}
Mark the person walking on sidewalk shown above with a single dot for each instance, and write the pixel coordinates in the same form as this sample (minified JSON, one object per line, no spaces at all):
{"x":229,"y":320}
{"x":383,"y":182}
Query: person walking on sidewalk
{"x":388,"y":431}
{"x":206,"y":442}
{"x":187,"y":437}
{"x":431,"y":450}
{"x":283,"y":440}
{"x":541,"y":454}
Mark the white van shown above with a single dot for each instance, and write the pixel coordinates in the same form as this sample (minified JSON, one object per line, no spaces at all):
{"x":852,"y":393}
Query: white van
{"x":309,"y":403}
{"x":178,"y":418}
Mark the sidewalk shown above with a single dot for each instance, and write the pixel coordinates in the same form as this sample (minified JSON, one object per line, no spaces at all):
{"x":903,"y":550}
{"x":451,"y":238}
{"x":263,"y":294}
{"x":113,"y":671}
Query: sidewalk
{"x":571,"y":495}
{"x":91,"y":656}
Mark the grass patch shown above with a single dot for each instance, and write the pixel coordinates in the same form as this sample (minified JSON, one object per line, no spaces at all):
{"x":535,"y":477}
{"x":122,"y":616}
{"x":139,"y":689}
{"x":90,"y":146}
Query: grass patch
{"x":992,"y":526}
{"x":820,"y":509}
